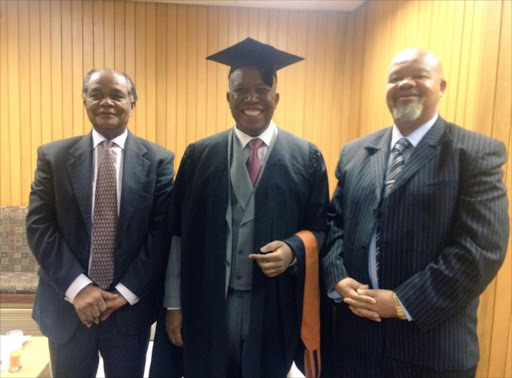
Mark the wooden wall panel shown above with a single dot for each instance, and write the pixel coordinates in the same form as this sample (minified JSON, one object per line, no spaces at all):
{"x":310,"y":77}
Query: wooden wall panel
{"x":334,"y":96}
{"x":5,"y":168}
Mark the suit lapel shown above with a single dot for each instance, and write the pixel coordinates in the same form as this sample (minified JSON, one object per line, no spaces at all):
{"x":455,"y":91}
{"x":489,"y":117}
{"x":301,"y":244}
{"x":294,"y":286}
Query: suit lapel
{"x":135,"y":167}
{"x":80,"y":170}
{"x":423,"y":152}
{"x":378,"y":148}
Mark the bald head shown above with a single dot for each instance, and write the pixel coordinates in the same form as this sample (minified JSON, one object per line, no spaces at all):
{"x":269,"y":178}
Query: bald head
{"x":415,"y":86}
{"x":415,"y":53}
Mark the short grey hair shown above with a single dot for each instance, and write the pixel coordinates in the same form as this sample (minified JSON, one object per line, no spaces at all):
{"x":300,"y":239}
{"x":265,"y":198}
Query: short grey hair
{"x":132,"y":92}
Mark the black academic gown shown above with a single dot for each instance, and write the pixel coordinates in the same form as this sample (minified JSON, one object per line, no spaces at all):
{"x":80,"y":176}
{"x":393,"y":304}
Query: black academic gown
{"x":292,"y":195}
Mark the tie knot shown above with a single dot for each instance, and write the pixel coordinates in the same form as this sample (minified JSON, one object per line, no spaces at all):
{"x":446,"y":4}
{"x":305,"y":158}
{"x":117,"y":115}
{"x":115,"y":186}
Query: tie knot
{"x":255,"y":144}
{"x":108,"y":144}
{"x":401,"y":145}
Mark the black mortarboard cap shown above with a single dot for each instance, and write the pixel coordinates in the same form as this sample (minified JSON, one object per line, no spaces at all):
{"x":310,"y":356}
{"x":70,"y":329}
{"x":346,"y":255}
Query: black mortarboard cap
{"x":250,"y":52}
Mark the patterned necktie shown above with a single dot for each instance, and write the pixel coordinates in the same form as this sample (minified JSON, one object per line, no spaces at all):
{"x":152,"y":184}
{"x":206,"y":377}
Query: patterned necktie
{"x":397,"y":163}
{"x":254,"y":163}
{"x":104,"y":229}
{"x":394,"y":168}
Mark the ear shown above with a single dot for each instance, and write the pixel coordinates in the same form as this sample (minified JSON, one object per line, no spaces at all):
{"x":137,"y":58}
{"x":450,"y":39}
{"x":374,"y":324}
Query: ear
{"x":276,"y":98}
{"x":228,"y":97}
{"x":133,"y":108}
{"x":442,"y":86}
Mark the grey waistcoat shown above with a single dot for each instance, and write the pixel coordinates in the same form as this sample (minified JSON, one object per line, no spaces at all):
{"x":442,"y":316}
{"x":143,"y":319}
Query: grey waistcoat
{"x":240,"y":218}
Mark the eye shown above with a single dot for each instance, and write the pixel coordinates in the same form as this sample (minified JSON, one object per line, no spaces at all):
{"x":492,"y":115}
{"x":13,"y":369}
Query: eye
{"x":262,"y":91}
{"x":394,"y":80}
{"x":241,"y":91}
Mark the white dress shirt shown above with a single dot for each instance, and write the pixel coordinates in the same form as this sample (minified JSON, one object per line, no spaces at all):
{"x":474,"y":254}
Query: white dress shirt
{"x":118,"y":146}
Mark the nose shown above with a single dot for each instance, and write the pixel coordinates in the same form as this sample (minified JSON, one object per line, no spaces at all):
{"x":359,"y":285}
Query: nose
{"x":106,"y":101}
{"x":406,"y":82}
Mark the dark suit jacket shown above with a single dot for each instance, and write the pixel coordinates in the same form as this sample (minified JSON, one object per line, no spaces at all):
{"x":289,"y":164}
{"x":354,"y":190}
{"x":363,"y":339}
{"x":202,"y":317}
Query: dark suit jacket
{"x":444,"y":236}
{"x":59,"y":229}
{"x":292,"y":195}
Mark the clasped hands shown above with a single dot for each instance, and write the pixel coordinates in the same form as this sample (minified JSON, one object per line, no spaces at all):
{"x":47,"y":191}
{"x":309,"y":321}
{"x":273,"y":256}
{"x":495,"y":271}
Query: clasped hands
{"x":94,"y":304}
{"x":366,"y":302}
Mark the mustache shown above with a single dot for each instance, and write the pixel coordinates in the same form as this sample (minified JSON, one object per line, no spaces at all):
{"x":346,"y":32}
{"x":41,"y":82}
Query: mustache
{"x":405,"y":94}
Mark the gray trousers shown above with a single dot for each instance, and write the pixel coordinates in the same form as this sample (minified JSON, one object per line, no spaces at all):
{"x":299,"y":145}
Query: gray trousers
{"x":237,"y":318}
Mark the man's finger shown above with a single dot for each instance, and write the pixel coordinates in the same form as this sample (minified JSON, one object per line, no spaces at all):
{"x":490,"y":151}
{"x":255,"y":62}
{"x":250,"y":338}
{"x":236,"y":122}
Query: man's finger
{"x":176,"y":337}
{"x":107,"y":295}
{"x":366,"y":314}
{"x":272,"y":246}
{"x":106,"y":315}
{"x":353,"y":299}
{"x":260,"y":258}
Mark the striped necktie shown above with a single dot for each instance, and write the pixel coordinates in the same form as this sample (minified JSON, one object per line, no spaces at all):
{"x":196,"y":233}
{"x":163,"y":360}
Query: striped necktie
{"x":397,"y":163}
{"x":104,"y":229}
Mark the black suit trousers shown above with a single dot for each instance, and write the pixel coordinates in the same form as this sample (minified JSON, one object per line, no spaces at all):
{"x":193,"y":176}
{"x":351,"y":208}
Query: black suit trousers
{"x":124,"y":355}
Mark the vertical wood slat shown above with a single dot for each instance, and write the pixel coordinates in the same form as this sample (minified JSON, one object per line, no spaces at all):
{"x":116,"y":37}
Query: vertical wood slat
{"x":109,"y":34}
{"x":161,"y":74}
{"x":150,"y":72}
{"x":77,"y":70}
{"x":88,"y":48}
{"x":67,"y":89}
{"x":24,"y":89}
{"x":98,"y":33}
{"x":171,"y":57}
{"x":5,"y":168}
{"x":14,"y":100}
{"x":190,"y":83}
{"x":139,"y":126}
{"x":202,"y":48}
{"x":334,"y":96}
{"x":211,"y":73}
{"x":35,"y":89}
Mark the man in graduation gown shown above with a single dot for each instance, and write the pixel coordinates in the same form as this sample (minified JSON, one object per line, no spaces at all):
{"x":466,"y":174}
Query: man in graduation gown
{"x":241,"y":195}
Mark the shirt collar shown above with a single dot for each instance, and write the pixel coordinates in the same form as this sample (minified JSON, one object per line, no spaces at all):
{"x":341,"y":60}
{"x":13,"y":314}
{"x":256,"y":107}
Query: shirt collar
{"x":119,"y":140}
{"x":416,"y":136}
{"x":265,"y":136}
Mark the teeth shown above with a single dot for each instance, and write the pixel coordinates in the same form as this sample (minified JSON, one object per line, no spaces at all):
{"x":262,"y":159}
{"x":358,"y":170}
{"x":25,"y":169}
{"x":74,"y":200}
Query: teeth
{"x":252,"y":112}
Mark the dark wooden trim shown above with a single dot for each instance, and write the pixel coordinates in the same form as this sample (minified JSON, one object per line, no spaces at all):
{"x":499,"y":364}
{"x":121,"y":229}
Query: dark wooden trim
{"x":17,"y":298}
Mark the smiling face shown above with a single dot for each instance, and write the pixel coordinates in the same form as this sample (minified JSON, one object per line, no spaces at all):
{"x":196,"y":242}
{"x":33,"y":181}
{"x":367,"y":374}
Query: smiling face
{"x":252,"y":102}
{"x":108,"y":103}
{"x":415,"y":86}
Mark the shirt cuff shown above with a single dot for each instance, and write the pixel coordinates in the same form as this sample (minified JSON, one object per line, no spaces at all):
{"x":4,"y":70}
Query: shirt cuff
{"x":409,"y":317}
{"x":333,"y":294}
{"x":78,"y":284}
{"x":127,"y":294}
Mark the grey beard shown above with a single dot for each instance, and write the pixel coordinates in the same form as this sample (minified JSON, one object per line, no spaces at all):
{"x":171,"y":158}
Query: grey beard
{"x":408,"y":113}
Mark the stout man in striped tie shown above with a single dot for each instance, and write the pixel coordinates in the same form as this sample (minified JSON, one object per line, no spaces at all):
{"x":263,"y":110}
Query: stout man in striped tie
{"x":418,"y":229}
